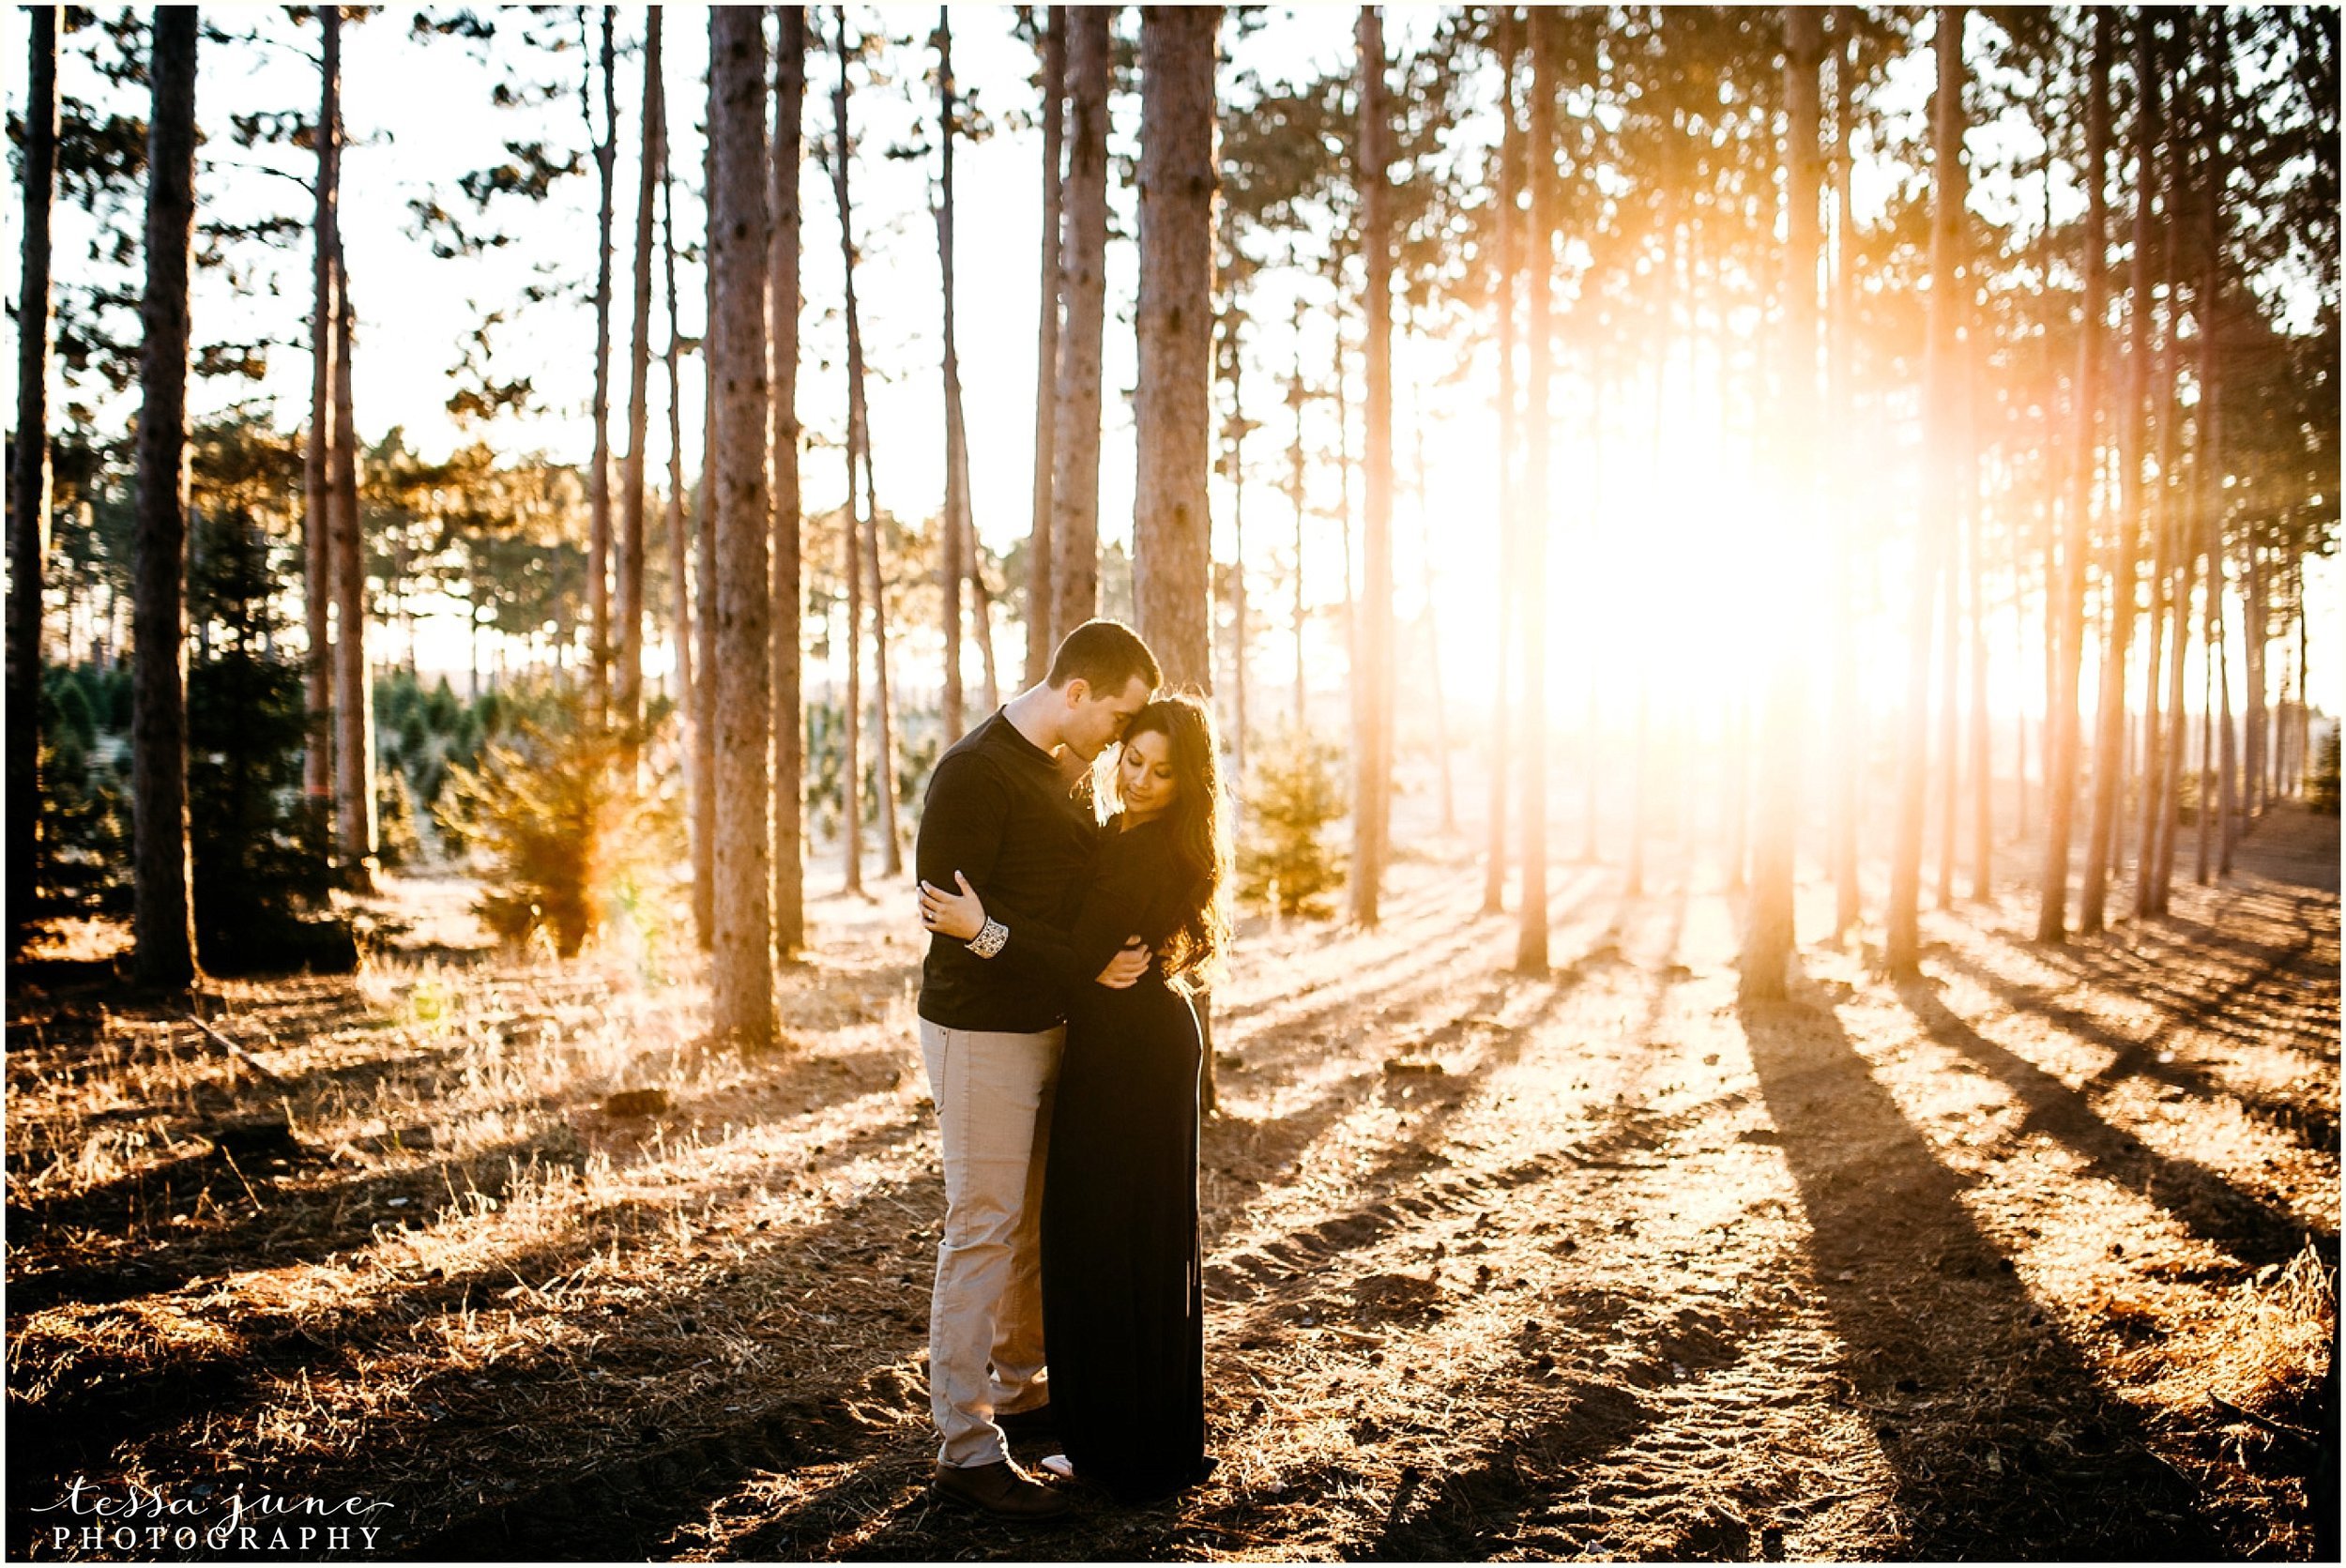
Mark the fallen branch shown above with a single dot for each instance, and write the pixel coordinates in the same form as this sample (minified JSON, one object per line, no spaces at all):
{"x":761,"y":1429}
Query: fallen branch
{"x":239,"y":1053}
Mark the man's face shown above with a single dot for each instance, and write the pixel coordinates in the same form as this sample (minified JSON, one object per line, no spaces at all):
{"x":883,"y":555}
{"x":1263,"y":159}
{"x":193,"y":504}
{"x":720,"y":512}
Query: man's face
{"x":1097,"y":721}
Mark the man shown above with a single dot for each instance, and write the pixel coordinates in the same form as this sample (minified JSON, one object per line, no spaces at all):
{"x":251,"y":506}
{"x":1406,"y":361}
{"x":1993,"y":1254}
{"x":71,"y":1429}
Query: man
{"x":999,"y":816}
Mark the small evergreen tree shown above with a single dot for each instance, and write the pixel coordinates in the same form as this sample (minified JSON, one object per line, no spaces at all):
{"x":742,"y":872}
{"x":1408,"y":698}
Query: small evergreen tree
{"x":1285,"y":861}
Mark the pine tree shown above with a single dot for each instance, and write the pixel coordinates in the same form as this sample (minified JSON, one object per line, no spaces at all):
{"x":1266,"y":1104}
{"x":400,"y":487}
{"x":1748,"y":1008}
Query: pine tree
{"x":1075,"y":441}
{"x":163,"y":926}
{"x":741,"y":989}
{"x":28,"y":480}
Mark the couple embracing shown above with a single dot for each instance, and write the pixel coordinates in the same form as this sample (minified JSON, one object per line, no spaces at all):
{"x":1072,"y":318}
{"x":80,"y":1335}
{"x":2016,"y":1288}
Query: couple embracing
{"x":1069,"y":925}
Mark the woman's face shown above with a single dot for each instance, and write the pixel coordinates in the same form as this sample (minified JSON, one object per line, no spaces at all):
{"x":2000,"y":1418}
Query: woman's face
{"x":1145,"y":775}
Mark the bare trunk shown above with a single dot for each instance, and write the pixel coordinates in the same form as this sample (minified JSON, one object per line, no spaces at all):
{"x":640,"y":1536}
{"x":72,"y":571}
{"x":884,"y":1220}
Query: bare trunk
{"x":162,"y":921}
{"x":1533,"y":510}
{"x":1768,"y":934}
{"x":785,"y":595}
{"x":953,"y":566}
{"x":1075,"y":442}
{"x":1372,"y":670}
{"x":705,"y":623}
{"x":2065,"y":609}
{"x":317,"y":496}
{"x":1039,"y":635}
{"x":1902,"y":948}
{"x":851,"y":526}
{"x":631,"y":575}
{"x":353,"y":685}
{"x":28,"y":480}
{"x":741,"y":982}
{"x":1510,"y":267}
{"x":1980,"y":736}
{"x":1298,"y":497}
{"x":598,"y":477}
{"x":1848,"y":777}
{"x":2111,"y":742}
{"x":688,"y":697}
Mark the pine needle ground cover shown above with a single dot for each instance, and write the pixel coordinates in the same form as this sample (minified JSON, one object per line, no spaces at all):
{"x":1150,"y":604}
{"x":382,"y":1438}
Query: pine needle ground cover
{"x":2037,"y":1258}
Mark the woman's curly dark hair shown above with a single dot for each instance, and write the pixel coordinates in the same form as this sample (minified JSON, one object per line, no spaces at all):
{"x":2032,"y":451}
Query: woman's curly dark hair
{"x":1192,"y":953}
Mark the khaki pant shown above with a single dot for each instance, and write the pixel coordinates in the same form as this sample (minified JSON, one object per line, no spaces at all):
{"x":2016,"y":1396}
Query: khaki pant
{"x":992,"y":1095}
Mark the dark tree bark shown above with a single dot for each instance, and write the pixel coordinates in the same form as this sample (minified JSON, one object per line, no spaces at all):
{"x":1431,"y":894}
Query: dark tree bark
{"x":1039,"y":639}
{"x":787,"y":592}
{"x":1172,"y":404}
{"x":598,"y":477}
{"x":28,"y":480}
{"x":629,"y":697}
{"x":1372,"y":647}
{"x":2068,"y":618}
{"x":354,"y":686}
{"x":162,"y":919}
{"x":704,"y":594}
{"x":317,"y":497}
{"x":1768,"y":931}
{"x":2111,"y":739}
{"x":741,"y":987}
{"x":1531,"y":934}
{"x":1075,"y":442}
{"x":1902,"y":948}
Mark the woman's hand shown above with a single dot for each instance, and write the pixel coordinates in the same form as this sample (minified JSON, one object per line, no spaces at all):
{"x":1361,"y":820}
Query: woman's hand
{"x":1127,"y":967}
{"x":958,"y":915}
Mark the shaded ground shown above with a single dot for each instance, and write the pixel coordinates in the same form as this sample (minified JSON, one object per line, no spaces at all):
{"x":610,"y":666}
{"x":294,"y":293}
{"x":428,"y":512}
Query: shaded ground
{"x":2037,"y":1257}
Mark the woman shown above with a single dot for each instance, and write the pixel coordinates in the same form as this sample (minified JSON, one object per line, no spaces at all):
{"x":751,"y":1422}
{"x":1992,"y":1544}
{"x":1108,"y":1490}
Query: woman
{"x":1122,"y":1312}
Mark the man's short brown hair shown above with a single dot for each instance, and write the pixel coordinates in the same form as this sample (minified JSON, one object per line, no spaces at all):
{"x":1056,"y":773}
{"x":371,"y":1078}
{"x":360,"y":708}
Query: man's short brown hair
{"x":1106,"y":655}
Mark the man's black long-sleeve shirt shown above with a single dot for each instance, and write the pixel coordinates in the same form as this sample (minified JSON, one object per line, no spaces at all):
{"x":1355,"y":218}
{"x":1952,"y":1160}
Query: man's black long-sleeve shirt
{"x":999,"y":811}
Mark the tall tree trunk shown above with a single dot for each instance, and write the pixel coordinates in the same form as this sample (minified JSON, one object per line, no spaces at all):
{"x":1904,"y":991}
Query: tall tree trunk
{"x":354,"y":684}
{"x":1902,"y":948}
{"x":162,"y":919}
{"x":28,"y":480}
{"x":1532,"y":506}
{"x":2065,"y":613}
{"x":598,"y":477}
{"x":2170,"y":596}
{"x":1508,"y":257}
{"x":953,"y":566}
{"x":318,"y":493}
{"x":2256,"y":624}
{"x":1948,"y":777}
{"x":1980,"y":734}
{"x":678,"y":570}
{"x":1039,"y":639}
{"x":1297,"y":396}
{"x":786,"y":596}
{"x":1235,"y":457}
{"x":1768,"y":934}
{"x":1373,"y":645}
{"x":742,"y":990}
{"x":2111,"y":742}
{"x":1848,"y":763}
{"x":704,"y":594}
{"x":631,"y":575}
{"x":1075,"y":442}
{"x":1431,"y":584}
{"x":851,"y":529}
{"x":1172,"y":405}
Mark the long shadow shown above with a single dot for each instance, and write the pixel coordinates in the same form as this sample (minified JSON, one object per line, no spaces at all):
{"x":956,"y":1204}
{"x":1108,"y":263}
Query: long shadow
{"x":287,"y":1227}
{"x":2312,"y":1124}
{"x":80,"y":1423}
{"x":2250,"y":1228}
{"x":1931,"y":1318}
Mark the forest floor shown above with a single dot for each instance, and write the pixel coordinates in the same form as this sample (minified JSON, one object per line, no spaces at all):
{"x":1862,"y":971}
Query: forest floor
{"x":2037,"y":1257}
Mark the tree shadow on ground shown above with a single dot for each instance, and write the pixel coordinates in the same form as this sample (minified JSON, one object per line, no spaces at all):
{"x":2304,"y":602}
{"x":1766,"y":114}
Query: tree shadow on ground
{"x":2250,"y":1228}
{"x":2001,"y":1440}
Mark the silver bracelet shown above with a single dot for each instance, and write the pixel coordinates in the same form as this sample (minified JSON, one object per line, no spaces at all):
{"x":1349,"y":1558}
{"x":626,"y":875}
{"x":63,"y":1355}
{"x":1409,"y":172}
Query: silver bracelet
{"x":989,"y":940}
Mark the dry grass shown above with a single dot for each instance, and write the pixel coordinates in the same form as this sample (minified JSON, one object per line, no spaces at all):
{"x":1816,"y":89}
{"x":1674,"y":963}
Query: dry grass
{"x":2037,"y":1258}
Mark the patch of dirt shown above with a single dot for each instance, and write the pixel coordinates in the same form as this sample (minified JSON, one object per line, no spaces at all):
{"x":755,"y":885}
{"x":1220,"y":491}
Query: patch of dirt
{"x":2034,"y":1257}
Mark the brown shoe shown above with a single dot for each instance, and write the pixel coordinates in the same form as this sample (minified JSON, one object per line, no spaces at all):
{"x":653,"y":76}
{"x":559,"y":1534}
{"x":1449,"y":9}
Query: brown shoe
{"x":1000,"y":1489}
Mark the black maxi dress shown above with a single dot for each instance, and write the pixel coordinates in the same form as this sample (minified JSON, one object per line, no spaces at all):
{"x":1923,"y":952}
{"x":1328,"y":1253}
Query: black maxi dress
{"x":1122,"y":1312}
